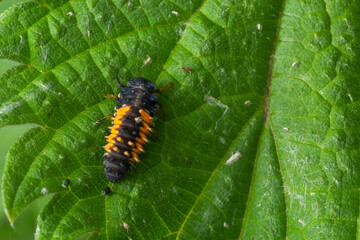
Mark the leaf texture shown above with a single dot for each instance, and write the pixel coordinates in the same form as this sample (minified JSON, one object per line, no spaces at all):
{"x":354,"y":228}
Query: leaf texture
{"x":260,"y":138}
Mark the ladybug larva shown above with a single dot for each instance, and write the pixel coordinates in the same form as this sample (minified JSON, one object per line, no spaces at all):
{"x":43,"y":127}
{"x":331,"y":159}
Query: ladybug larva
{"x":132,"y":122}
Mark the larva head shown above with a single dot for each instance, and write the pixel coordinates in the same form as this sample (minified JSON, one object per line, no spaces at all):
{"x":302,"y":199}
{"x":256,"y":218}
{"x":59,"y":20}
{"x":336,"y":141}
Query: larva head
{"x":142,"y":83}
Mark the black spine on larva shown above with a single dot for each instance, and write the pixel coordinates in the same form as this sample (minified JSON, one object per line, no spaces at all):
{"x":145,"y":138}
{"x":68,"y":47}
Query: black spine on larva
{"x":139,"y":95}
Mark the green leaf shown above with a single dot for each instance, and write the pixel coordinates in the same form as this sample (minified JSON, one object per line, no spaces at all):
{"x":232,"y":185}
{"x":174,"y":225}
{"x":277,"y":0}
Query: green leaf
{"x":260,"y":138}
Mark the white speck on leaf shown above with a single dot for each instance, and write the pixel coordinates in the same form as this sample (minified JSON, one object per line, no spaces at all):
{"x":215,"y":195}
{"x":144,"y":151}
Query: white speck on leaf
{"x":212,"y":100}
{"x":89,"y":33}
{"x":44,"y":191}
{"x":286,"y":129}
{"x":248,"y":103}
{"x":10,"y":107}
{"x":175,"y":13}
{"x":259,"y":27}
{"x":45,"y":86}
{"x":180,"y":32}
{"x":351,"y":99}
{"x":294,"y":64}
{"x":22,"y":43}
{"x":70,"y":14}
{"x":233,"y":158}
{"x":222,"y":140}
{"x":226,"y":225}
{"x":302,"y":222}
{"x":148,"y":60}
{"x":44,"y":52}
{"x":125,"y":225}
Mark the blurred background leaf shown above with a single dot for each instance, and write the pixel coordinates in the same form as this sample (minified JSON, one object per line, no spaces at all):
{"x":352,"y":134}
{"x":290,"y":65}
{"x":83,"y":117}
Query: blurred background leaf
{"x":24,"y":227}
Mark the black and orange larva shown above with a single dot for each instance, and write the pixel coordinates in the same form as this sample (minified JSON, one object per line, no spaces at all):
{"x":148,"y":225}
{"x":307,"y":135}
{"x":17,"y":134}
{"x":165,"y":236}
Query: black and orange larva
{"x":132,"y":122}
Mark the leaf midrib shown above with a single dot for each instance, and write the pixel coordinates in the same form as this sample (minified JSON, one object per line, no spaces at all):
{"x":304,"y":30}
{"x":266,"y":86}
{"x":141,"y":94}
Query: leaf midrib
{"x":267,"y":119}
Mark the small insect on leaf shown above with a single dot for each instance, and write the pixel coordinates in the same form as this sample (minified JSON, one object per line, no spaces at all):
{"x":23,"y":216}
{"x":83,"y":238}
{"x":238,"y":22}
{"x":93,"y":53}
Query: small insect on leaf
{"x":190,"y":70}
{"x":175,"y":13}
{"x":125,"y":225}
{"x":148,"y":60}
{"x":233,"y":158}
{"x":132,"y":123}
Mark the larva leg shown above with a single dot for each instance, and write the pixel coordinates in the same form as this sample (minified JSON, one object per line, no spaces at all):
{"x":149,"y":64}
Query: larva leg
{"x":111,"y":96}
{"x":118,"y":81}
{"x":104,"y":118}
{"x":161,"y":113}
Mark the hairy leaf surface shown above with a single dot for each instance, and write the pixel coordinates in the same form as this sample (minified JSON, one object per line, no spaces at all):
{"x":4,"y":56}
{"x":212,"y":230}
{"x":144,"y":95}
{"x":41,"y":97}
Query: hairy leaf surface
{"x":261,"y":134}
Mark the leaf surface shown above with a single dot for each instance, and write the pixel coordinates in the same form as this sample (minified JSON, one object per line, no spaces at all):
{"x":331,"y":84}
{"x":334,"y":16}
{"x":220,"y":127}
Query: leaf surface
{"x":260,"y":138}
